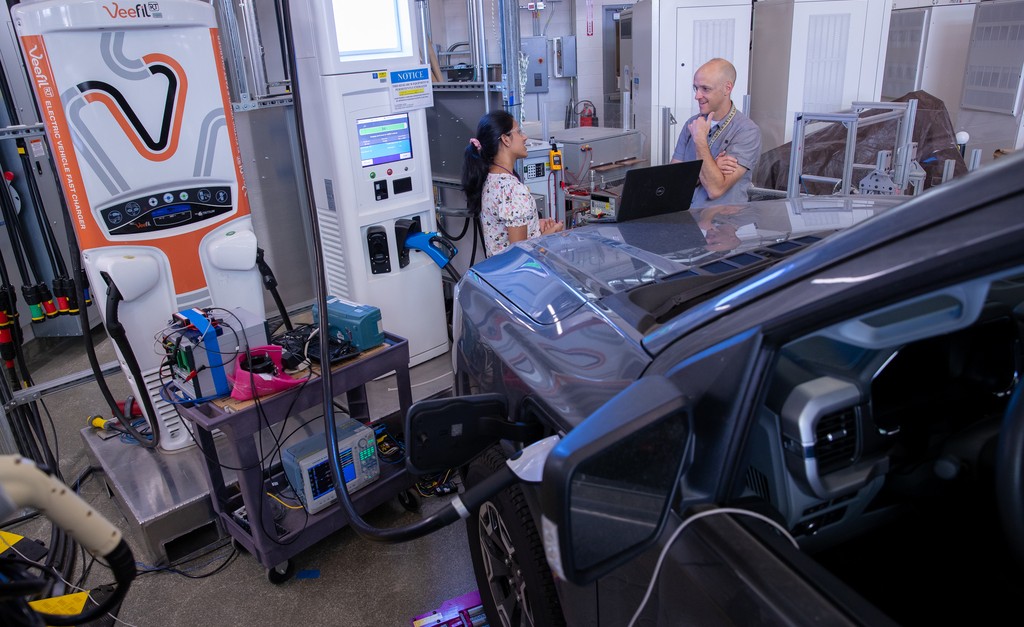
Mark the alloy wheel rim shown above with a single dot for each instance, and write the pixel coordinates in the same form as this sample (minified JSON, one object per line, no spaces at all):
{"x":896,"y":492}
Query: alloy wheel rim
{"x":504,"y":574}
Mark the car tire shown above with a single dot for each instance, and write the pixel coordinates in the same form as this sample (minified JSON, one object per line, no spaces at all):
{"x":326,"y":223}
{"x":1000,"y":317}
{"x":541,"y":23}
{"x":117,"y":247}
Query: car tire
{"x":512,"y":574}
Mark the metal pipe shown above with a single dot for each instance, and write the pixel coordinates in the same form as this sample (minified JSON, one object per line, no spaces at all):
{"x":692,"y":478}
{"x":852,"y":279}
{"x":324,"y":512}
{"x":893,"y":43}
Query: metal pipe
{"x":814,"y":178}
{"x":284,"y":43}
{"x":904,"y":147}
{"x":239,"y":78}
{"x":425,"y":32}
{"x":474,"y":36}
{"x":510,"y":42}
{"x":254,"y":45}
{"x":975,"y":161}
{"x":796,"y":157}
{"x":948,"y":168}
{"x":846,"y":117}
{"x":666,"y":135}
{"x":879,"y":118}
{"x":481,"y":37}
{"x":851,"y":146}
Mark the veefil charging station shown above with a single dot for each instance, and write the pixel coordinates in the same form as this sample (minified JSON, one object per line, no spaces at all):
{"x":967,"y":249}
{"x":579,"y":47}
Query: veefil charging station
{"x":362,"y":94}
{"x":135,"y":105}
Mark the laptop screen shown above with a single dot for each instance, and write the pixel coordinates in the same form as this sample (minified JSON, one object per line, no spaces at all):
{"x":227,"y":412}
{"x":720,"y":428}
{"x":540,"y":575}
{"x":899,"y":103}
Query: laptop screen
{"x":658,"y":190}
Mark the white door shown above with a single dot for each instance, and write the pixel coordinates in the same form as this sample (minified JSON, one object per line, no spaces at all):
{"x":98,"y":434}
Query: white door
{"x":691,"y":34}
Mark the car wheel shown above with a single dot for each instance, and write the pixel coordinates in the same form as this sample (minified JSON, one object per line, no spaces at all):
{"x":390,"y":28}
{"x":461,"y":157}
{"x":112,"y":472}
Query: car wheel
{"x":513,"y":576}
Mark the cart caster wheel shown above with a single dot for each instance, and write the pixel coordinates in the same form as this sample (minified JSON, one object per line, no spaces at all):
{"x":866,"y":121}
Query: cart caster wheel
{"x":281,"y":573}
{"x":409,"y":501}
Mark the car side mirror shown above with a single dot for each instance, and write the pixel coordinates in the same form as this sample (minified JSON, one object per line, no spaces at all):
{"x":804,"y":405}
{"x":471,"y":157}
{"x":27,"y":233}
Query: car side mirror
{"x":608,"y":485}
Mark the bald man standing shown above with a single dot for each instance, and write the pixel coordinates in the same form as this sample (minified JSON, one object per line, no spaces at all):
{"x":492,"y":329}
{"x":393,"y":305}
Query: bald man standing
{"x":726,"y":140}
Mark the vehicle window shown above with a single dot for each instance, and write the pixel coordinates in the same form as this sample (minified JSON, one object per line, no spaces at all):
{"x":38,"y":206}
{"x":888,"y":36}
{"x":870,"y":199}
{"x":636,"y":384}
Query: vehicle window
{"x":876,"y":444}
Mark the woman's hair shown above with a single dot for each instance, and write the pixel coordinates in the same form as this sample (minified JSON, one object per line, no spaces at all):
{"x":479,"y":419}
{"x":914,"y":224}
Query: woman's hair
{"x":480,"y":154}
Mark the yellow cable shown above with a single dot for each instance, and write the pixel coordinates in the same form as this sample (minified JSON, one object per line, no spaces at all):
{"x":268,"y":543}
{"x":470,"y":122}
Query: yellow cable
{"x":283,"y":503}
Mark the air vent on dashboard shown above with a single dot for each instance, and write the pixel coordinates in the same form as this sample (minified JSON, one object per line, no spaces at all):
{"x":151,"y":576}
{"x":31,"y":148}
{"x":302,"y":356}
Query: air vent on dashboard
{"x":821,"y":437}
{"x":835,"y":440}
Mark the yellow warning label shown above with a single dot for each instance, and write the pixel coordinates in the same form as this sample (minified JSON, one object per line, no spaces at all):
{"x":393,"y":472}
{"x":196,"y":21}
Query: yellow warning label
{"x":410,"y":92}
{"x":67,"y":604}
{"x":8,"y":540}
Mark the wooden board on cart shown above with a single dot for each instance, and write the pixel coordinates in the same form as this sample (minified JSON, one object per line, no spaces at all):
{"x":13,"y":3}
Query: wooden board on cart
{"x":232,"y":405}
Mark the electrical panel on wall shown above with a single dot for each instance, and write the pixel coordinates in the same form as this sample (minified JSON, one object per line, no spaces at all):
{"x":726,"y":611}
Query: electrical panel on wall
{"x":536,"y":51}
{"x":565,"y":56}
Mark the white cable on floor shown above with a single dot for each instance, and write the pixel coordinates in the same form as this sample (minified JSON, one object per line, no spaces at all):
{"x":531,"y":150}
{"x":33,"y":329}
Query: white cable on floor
{"x":416,"y":385}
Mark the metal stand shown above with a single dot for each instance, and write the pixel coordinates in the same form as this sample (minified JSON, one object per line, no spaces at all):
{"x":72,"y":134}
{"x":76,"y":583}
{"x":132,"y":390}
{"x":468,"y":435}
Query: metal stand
{"x":902,"y":172}
{"x":275,"y":542}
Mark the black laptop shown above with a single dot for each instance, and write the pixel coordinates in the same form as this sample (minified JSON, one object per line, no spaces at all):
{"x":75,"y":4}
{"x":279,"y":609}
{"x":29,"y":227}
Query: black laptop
{"x":655,"y":190}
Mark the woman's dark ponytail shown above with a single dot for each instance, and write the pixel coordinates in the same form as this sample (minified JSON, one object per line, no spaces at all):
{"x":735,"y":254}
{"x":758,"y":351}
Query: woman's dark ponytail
{"x":480,"y":153}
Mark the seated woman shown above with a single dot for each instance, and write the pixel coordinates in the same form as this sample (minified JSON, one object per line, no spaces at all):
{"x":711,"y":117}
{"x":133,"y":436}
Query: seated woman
{"x":494,"y":191}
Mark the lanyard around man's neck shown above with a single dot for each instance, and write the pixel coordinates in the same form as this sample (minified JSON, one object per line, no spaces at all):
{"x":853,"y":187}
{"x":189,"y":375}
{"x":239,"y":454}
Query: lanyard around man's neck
{"x":722,"y":125}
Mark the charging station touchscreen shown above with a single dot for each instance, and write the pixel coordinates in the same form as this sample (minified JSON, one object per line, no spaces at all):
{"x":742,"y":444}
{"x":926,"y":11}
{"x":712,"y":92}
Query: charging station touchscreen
{"x":384,"y":139}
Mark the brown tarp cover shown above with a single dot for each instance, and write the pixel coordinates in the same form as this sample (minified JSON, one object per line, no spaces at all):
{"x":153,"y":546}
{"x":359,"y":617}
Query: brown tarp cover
{"x":824,"y":150}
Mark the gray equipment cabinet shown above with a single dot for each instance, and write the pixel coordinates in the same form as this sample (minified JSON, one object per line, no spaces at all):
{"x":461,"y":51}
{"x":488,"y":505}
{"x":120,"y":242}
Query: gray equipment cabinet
{"x":297,"y":530}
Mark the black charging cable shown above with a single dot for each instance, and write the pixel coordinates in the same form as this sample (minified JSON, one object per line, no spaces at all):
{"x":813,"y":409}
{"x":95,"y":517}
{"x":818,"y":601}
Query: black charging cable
{"x":270,"y":283}
{"x":467,"y":502}
{"x":120,"y":338}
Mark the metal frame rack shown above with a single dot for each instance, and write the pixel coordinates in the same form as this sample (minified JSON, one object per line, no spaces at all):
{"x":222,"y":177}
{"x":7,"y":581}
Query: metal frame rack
{"x":298,"y":529}
{"x":902,"y":155}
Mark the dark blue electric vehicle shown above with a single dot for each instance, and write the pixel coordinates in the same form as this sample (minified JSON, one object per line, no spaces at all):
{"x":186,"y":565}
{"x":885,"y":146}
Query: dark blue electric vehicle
{"x":790,"y":412}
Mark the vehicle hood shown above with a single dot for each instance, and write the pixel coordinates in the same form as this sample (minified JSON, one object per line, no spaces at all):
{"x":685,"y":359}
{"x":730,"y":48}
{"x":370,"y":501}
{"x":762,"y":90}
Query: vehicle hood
{"x":551,"y":277}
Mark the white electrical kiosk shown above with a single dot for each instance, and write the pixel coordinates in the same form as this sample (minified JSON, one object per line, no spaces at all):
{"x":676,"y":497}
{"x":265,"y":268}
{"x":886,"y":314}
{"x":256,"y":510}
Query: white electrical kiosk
{"x":362,"y":93}
{"x":139,"y":121}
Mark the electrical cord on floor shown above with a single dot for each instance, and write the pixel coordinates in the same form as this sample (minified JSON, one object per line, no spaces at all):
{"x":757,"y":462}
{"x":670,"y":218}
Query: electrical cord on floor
{"x":88,"y":561}
{"x":19,"y":561}
{"x":139,"y":425}
{"x":143,"y":569}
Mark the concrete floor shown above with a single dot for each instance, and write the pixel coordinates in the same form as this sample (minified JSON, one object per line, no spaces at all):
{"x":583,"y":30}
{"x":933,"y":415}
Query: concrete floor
{"x":343,"y":580}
